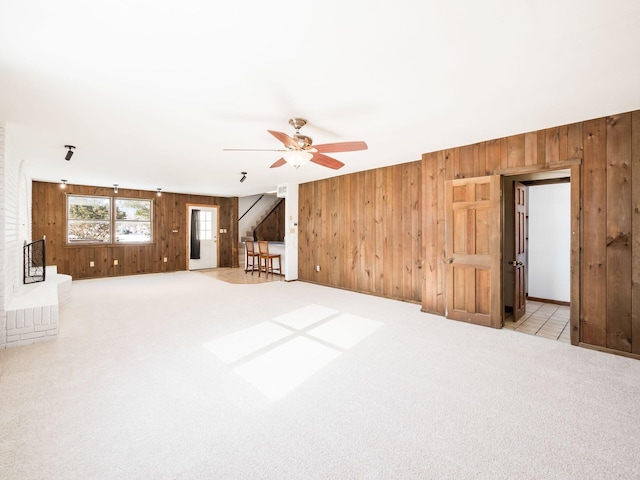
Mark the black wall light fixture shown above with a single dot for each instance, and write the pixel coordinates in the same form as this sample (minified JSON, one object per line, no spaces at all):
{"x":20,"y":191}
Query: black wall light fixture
{"x":244,"y":176}
{"x":69,"y":154}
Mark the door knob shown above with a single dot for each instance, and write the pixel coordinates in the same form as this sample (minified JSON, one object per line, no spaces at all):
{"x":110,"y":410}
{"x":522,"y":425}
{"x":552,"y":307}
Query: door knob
{"x":449,"y":260}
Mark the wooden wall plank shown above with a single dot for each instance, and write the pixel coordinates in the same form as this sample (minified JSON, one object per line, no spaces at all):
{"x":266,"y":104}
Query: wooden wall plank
{"x":635,"y":231}
{"x":429,"y":219}
{"x":450,"y":158}
{"x":575,"y":260}
{"x":574,"y":141}
{"x":343,"y":231}
{"x":380,"y":200}
{"x":516,"y":151}
{"x":493,"y":156}
{"x":541,"y":135}
{"x":416,"y":240}
{"x":464,"y":166}
{"x":480,"y":159}
{"x":504,"y":152}
{"x":552,"y":145}
{"x":398,"y":234}
{"x":619,"y":232}
{"x":594,"y":273}
{"x":531,"y":148}
{"x":440,"y":241}
{"x":563,"y":140}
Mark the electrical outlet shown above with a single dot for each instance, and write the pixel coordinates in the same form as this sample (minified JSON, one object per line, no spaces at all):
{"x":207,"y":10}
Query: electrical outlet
{"x":92,"y":263}
{"x":165,"y":259}
{"x":317,"y":268}
{"x":115,"y":262}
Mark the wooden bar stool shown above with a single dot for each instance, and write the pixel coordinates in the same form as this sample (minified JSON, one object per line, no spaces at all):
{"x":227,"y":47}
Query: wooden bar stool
{"x":263,"y":250}
{"x":250,"y":253}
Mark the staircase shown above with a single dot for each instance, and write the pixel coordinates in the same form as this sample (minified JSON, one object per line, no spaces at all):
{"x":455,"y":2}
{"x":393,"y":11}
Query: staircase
{"x":266,"y":209}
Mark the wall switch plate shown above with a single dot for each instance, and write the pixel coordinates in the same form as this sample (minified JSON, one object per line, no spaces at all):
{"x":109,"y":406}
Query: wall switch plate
{"x":92,"y":263}
{"x":115,"y":262}
{"x":165,"y":259}
{"x":317,"y":268}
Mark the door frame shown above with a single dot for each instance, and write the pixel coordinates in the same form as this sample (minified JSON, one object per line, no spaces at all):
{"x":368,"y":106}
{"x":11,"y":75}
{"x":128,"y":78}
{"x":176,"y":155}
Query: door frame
{"x":188,"y":231}
{"x":574,"y":169}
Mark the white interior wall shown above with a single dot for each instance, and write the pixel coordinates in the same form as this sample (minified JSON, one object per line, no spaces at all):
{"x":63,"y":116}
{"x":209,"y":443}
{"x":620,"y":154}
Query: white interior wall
{"x":549,"y":241}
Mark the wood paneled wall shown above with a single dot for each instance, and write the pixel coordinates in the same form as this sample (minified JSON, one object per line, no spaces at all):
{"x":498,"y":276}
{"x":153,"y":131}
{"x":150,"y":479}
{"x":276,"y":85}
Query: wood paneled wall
{"x":609,"y":192}
{"x":364,"y":230}
{"x":169,"y":233}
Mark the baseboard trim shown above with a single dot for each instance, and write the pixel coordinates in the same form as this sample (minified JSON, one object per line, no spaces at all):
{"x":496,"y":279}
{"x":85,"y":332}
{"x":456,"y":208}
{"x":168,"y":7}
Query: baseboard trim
{"x":609,"y":350}
{"x":546,"y":300}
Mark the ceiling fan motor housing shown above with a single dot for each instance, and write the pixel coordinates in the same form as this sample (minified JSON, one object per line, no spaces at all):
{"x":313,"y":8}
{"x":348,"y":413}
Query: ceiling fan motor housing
{"x":302,"y":140}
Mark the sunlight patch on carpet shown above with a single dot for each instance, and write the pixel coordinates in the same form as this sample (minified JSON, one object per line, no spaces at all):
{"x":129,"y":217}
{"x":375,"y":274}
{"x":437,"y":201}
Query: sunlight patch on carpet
{"x":305,"y":316}
{"x":235,"y":346}
{"x":280,"y":370}
{"x":278,"y":357}
{"x":346,"y":330}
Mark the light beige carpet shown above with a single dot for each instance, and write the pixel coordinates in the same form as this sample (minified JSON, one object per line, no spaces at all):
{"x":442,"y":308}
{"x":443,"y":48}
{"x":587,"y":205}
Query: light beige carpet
{"x":182,"y":376}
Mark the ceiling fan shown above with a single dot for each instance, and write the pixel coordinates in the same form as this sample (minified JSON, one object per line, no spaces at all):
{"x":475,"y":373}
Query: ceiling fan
{"x":300,"y":149}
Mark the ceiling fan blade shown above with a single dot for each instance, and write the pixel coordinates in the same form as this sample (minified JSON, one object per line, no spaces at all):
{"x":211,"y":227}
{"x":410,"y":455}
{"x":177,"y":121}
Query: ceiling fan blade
{"x":325,"y":161}
{"x":279,"y":163}
{"x":252,"y":150}
{"x":284,"y":138}
{"x":341,"y":147}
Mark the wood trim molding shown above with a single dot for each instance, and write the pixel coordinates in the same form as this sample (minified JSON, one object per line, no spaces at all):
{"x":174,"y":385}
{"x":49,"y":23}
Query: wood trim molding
{"x":609,"y":350}
{"x":538,"y":168}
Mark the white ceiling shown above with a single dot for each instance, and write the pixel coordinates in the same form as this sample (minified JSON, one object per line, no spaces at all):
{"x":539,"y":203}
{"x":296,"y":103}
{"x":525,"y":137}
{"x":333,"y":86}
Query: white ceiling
{"x":150,"y":92}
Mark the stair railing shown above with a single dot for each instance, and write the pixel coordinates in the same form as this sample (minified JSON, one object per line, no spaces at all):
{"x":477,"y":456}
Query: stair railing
{"x":254,"y":204}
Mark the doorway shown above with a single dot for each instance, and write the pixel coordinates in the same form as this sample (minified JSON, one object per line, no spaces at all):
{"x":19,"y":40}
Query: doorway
{"x":202,"y":237}
{"x":537,"y":253}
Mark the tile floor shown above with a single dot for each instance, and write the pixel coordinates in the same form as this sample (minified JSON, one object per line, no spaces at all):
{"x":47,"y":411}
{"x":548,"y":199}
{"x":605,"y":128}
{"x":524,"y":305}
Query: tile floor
{"x":542,"y":320}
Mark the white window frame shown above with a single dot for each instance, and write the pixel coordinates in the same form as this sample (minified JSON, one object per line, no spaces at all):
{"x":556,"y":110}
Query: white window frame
{"x":112,"y":222}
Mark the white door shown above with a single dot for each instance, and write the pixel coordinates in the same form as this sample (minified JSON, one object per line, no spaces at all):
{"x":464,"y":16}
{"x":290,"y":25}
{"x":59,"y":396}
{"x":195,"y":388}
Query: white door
{"x":207,"y":226}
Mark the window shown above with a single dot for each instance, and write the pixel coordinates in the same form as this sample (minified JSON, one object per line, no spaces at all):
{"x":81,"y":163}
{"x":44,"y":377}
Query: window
{"x":90,"y":220}
{"x":133,"y":220}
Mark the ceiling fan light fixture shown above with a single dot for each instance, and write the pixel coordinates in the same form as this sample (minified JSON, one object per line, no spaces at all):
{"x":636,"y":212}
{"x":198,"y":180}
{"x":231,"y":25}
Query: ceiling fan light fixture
{"x":297,"y":158}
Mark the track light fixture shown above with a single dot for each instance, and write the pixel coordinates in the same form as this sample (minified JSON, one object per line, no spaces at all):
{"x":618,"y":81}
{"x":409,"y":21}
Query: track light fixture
{"x":63,"y":184}
{"x":69,"y":154}
{"x":244,"y":176}
{"x":115,"y":188}
{"x":159,"y":192}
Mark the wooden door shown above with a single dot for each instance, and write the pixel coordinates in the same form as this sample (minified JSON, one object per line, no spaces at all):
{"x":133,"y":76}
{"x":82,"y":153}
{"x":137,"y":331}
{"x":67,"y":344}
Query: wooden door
{"x":519,"y":263}
{"x":473,"y":250}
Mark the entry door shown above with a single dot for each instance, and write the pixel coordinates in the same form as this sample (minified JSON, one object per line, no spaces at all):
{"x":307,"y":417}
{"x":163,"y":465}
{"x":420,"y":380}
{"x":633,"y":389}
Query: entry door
{"x":519,"y":263}
{"x":473,"y":250}
{"x":208,"y":236}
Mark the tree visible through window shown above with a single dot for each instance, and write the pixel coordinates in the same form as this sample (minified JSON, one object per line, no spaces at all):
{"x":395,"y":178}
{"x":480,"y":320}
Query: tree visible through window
{"x":89,"y":220}
{"x":133,"y":220}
